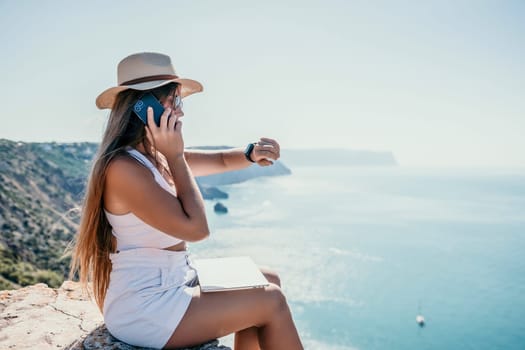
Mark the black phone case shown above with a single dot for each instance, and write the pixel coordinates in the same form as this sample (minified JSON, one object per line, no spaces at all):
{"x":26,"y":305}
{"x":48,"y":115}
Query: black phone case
{"x":141,"y":108}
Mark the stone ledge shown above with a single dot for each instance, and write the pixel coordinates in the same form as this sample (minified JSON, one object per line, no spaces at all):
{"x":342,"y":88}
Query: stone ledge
{"x":100,"y":338}
{"x":38,"y":317}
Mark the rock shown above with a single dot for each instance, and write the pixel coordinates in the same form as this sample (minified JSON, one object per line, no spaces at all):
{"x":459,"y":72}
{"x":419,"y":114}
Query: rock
{"x":220,"y":208}
{"x":100,"y":338}
{"x":211,"y":193}
{"x":38,"y":317}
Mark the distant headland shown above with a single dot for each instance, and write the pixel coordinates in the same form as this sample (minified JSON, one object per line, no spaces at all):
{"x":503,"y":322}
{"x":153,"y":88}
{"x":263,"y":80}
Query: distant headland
{"x":337,"y":157}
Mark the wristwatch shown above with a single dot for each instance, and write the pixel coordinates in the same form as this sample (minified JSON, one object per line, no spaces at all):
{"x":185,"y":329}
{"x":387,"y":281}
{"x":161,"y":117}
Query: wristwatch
{"x":248,"y":152}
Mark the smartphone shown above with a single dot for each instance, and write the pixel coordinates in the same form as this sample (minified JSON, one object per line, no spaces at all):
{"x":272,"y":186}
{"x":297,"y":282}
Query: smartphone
{"x":141,"y":108}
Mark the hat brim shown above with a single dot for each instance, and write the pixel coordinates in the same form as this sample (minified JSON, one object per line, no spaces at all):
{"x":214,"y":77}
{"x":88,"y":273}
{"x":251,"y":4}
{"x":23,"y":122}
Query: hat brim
{"x":107,"y":98}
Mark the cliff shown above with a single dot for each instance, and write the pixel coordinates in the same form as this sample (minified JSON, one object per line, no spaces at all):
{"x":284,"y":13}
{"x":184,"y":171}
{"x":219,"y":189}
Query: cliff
{"x":39,"y":317}
{"x":39,"y":186}
{"x":236,"y":176}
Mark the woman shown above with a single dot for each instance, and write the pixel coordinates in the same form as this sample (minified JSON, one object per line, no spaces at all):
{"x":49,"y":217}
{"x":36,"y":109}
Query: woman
{"x":142,"y":205}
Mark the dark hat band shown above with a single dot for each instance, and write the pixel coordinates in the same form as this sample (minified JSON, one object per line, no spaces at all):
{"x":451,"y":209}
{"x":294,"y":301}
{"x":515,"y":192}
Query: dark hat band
{"x":150,"y":78}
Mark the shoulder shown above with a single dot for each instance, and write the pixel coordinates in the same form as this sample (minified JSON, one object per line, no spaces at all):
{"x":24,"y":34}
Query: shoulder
{"x":126,"y":182}
{"x":124,"y":169}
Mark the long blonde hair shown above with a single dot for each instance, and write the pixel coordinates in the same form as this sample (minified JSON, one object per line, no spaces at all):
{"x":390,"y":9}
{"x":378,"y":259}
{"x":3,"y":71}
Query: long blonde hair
{"x":94,"y":241}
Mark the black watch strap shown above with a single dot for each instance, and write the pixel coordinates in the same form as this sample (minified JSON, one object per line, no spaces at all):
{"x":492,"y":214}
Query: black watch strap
{"x":248,"y":152}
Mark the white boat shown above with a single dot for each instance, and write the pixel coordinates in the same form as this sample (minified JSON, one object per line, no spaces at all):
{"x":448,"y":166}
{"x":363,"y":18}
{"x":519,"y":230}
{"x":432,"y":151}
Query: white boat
{"x":420,"y":320}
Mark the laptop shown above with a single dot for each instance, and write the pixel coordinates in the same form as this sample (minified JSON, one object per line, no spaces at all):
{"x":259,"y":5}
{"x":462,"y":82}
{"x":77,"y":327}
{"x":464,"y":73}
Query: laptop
{"x":230,"y":273}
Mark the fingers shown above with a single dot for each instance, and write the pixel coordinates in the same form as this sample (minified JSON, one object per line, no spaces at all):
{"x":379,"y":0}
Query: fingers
{"x":178,"y":125}
{"x":266,"y":151}
{"x":267,"y":140}
{"x":172,"y":122}
{"x":165,"y":117}
{"x":264,"y":162}
{"x":167,"y":135}
{"x":151,"y":124}
{"x":267,"y":148}
{"x":165,"y":120}
{"x":151,"y":119}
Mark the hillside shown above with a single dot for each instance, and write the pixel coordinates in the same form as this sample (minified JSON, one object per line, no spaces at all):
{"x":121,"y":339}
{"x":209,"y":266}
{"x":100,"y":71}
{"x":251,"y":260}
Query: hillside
{"x":41,"y":188}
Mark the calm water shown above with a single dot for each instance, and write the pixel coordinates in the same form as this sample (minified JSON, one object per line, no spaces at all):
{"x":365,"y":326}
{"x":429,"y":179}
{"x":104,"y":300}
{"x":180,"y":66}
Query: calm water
{"x":362,"y":251}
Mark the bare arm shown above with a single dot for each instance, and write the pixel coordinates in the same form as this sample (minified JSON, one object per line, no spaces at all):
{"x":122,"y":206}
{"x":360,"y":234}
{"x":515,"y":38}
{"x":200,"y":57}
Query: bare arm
{"x":188,"y":192}
{"x":204,"y":162}
{"x":131,"y":187}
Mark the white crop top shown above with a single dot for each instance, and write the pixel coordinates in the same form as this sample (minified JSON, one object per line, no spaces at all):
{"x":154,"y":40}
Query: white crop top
{"x":130,"y":231}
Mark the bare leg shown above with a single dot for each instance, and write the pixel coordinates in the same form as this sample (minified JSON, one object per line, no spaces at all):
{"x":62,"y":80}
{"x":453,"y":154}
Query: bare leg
{"x":247,"y":339}
{"x":213,"y":315}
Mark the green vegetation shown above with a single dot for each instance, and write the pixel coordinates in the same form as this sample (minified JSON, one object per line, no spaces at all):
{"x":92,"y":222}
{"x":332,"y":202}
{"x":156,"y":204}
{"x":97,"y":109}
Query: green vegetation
{"x":40,"y":183}
{"x":24,"y":273}
{"x":6,"y":284}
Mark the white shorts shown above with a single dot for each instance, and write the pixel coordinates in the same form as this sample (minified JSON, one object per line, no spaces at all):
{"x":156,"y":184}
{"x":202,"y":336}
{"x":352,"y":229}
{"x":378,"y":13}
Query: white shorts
{"x":149,"y":292}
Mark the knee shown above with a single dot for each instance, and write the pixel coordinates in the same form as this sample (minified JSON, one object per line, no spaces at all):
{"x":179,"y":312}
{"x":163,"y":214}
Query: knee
{"x":277,"y":300}
{"x":271,"y":276}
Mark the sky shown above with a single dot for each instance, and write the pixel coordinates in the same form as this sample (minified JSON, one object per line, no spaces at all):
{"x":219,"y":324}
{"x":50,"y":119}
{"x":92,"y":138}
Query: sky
{"x":438,"y":83}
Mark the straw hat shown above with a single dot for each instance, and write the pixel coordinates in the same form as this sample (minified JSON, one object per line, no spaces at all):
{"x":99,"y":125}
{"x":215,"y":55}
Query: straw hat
{"x":145,"y":71}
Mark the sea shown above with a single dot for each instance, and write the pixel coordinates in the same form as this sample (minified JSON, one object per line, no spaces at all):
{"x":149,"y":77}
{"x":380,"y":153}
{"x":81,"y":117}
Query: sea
{"x":362,"y":251}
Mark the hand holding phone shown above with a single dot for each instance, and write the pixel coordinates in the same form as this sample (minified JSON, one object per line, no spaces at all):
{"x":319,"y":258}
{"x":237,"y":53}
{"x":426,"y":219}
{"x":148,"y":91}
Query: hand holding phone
{"x":141,"y":106}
